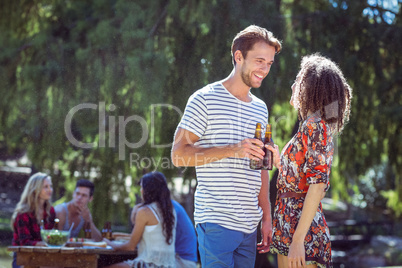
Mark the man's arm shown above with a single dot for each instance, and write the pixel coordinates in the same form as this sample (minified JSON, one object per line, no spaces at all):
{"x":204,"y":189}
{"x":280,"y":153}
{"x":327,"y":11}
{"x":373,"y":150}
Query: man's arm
{"x":186,"y":154}
{"x":266,"y":224}
{"x":86,"y":215}
{"x":96,"y":235}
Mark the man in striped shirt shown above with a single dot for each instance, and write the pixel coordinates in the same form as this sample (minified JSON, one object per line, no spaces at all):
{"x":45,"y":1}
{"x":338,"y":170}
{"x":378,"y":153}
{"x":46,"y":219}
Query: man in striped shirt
{"x":216,"y":136}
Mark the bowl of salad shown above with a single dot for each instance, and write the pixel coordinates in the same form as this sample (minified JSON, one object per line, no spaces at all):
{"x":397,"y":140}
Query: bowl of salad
{"x":54,"y":237}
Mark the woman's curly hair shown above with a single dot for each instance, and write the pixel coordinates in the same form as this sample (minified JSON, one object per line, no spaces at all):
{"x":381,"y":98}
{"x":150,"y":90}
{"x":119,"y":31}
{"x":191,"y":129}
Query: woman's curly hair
{"x":323,"y":90}
{"x":155,"y":189}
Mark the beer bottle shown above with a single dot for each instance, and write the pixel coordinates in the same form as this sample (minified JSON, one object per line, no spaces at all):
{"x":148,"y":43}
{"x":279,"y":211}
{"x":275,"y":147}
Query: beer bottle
{"x":109,"y":231}
{"x":268,"y":157}
{"x":104,"y":230}
{"x":257,"y":164}
{"x":87,"y":230}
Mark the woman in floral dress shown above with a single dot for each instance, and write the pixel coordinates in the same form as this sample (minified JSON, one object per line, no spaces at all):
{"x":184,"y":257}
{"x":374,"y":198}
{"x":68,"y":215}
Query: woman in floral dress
{"x":300,"y":233}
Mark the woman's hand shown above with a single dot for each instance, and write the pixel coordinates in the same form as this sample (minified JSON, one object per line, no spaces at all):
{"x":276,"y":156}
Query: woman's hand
{"x":296,"y":256}
{"x":275,"y":152}
{"x":108,"y":242}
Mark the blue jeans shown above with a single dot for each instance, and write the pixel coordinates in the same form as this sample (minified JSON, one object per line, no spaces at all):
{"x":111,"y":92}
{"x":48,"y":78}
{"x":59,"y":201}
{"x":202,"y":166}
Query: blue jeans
{"x":14,"y":264}
{"x":221,"y":247}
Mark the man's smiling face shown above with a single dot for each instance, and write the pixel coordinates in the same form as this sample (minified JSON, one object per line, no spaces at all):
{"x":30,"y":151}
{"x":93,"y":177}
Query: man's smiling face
{"x":256,"y":66}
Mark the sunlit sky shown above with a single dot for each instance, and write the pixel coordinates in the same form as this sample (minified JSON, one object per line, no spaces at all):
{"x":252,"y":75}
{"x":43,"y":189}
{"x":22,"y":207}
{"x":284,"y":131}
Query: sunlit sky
{"x":391,"y":7}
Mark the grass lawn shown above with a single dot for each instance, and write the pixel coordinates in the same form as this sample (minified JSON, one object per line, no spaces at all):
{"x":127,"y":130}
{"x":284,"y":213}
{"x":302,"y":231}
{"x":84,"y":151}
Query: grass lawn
{"x":5,"y":258}
{"x":5,"y":262}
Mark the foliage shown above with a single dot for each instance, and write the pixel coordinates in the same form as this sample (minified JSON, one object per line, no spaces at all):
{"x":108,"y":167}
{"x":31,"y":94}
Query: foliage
{"x":131,"y":66}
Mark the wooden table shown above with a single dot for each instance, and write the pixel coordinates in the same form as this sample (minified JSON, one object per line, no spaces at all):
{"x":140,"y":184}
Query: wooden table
{"x":31,"y":256}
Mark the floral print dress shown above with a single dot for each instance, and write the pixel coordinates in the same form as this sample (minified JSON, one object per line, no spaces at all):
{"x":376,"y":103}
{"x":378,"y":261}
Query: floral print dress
{"x":305,"y":160}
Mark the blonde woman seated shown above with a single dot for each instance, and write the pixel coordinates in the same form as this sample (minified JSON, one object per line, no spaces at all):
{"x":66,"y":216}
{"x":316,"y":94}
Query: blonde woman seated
{"x":33,"y":207}
{"x":154,"y":228}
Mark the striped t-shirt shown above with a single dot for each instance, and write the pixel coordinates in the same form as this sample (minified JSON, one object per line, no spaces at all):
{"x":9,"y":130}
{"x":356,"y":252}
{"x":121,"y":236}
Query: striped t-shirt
{"x":227,"y":189}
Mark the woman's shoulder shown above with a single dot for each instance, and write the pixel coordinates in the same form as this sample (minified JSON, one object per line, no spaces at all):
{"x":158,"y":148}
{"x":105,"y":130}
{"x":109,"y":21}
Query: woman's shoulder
{"x":147,"y":213}
{"x":25,"y":214}
{"x":144,"y":210}
{"x":24,"y":217}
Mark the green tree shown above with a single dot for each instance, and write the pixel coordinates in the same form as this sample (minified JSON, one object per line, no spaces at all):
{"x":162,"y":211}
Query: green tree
{"x":133,"y":65}
{"x":365,"y":44}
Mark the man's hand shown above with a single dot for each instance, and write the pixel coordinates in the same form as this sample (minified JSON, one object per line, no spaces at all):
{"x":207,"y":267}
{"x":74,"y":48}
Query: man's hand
{"x":185,"y":152}
{"x":250,"y":148}
{"x":85,"y":213}
{"x":266,"y":233}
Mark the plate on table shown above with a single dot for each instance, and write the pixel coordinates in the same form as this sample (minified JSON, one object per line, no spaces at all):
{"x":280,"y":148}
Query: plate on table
{"x":94,"y":247}
{"x":91,"y":244}
{"x":74,"y":244}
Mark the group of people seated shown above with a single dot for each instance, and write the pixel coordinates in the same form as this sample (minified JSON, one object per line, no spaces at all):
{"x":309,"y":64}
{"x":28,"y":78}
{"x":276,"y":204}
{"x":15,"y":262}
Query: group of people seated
{"x":163,"y":234}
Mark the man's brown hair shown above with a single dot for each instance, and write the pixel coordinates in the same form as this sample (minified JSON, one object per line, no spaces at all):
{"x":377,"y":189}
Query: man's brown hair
{"x":245,"y":40}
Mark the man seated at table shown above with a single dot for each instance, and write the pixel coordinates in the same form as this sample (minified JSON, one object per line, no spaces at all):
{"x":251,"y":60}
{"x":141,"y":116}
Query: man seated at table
{"x":76,"y":211}
{"x":186,"y":239}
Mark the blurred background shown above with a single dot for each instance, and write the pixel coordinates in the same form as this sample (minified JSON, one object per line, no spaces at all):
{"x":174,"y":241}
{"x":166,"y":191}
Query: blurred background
{"x":95,"y":89}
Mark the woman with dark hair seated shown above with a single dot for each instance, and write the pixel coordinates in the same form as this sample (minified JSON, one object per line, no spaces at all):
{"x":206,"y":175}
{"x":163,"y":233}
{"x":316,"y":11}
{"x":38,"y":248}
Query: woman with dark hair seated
{"x":155,"y":226}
